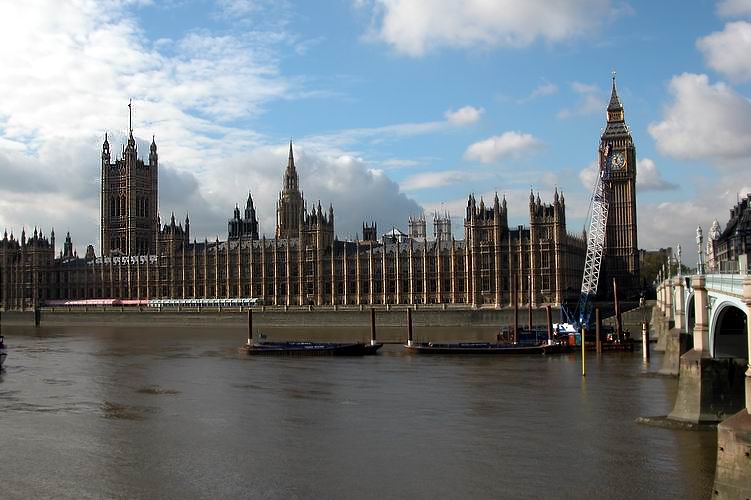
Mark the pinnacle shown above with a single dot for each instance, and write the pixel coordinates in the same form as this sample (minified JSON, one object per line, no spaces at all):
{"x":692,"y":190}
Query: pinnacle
{"x":615,"y":101}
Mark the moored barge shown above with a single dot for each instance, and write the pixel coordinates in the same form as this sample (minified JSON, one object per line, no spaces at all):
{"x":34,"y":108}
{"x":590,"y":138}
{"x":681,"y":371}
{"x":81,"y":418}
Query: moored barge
{"x":303,"y":348}
{"x":311,"y":348}
{"x":480,"y":348}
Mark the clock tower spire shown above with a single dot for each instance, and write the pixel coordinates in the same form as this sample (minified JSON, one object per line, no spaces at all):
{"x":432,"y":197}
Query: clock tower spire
{"x":621,"y":248}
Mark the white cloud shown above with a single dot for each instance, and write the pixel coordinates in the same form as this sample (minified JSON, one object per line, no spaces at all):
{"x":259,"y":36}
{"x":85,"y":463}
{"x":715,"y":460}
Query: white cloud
{"x":727,"y":51}
{"x":733,"y":8}
{"x":414,"y":27}
{"x":430,"y":180}
{"x":544,"y":89}
{"x":357,"y":191}
{"x":704,"y":121}
{"x":587,"y":176}
{"x":591,"y":100}
{"x":648,"y":178}
{"x":669,"y":222}
{"x":68,"y":70}
{"x":464,"y":116}
{"x":508,"y":144}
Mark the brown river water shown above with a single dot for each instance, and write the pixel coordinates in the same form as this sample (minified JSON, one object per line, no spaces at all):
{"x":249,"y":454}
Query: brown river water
{"x":109,"y":412}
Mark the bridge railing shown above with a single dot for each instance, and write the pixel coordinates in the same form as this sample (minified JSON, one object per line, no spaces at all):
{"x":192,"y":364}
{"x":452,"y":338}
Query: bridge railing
{"x":731,"y":284}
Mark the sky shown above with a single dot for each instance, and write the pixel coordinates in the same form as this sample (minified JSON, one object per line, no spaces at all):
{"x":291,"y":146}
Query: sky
{"x":395,"y":107}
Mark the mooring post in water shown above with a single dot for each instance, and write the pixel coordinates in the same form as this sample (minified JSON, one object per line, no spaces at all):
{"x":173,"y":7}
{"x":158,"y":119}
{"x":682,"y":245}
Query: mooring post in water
{"x":529,"y":314}
{"x":250,"y":326}
{"x":516,"y":312}
{"x":598,"y":329}
{"x":409,"y":326}
{"x":618,"y":326}
{"x":549,"y":317}
{"x":372,"y":326}
{"x":584,"y":363}
{"x":37,"y":316}
{"x":645,"y":340}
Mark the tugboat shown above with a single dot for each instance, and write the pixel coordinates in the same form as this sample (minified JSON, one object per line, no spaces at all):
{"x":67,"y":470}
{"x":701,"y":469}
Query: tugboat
{"x":3,"y":354}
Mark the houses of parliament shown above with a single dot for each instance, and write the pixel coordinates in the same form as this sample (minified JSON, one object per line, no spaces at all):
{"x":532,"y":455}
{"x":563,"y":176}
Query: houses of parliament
{"x":493,"y":265}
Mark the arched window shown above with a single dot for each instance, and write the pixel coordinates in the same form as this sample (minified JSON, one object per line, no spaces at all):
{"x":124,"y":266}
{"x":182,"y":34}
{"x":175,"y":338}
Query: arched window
{"x":113,"y":211}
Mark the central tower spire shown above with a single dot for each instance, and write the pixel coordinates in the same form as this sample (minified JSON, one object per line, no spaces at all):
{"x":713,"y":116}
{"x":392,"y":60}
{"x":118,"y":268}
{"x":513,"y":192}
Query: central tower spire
{"x":615,"y":107}
{"x":131,"y":140}
{"x":290,"y":174}
{"x":290,"y":204}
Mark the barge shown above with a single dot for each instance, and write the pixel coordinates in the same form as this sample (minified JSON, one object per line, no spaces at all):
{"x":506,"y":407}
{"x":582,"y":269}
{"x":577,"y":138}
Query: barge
{"x":311,"y":348}
{"x":480,"y":348}
{"x":302,"y":348}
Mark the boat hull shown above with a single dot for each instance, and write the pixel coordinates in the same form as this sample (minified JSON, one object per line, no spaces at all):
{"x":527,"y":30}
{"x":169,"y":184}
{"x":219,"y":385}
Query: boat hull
{"x":478,"y":348}
{"x":311,"y":349}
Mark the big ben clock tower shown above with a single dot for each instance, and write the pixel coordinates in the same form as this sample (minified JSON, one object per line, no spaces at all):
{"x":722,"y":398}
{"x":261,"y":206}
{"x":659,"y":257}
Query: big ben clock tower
{"x":621,"y":250}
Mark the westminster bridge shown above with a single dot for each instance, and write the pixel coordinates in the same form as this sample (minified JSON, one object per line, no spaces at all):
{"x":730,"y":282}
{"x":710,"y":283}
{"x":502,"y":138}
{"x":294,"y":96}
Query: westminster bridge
{"x":702,"y":323}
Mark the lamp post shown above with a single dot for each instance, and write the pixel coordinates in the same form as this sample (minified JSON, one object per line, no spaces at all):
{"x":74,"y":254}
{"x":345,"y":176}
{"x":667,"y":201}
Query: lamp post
{"x":700,"y":262}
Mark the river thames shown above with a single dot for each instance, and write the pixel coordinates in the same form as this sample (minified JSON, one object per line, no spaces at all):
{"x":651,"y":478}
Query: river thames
{"x":179,"y":413}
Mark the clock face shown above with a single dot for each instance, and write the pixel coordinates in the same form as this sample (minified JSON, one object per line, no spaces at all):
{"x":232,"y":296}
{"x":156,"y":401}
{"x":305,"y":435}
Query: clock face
{"x":619,"y":161}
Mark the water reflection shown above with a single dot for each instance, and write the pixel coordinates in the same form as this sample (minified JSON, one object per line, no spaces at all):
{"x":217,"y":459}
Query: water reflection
{"x":177,"y":412}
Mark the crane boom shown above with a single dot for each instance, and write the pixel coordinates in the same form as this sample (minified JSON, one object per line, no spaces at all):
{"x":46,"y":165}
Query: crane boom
{"x":596,"y":237}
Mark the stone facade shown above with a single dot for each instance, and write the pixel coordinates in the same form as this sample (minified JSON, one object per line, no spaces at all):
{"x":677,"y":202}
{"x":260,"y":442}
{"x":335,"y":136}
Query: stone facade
{"x":129,"y":200}
{"x":725,"y":246}
{"x":494,"y":265}
{"x":621,"y":257}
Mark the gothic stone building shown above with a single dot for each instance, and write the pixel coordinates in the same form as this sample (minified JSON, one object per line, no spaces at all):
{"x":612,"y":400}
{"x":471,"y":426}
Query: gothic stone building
{"x":621,"y":258}
{"x":306,"y":264}
{"x":494,"y":265}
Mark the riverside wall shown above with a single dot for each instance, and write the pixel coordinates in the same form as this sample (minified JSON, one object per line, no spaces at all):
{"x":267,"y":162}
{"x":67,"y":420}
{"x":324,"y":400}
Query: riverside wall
{"x":278,"y":317}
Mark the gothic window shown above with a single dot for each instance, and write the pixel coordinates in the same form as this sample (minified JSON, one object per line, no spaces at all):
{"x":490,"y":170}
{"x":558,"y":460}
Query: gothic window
{"x":113,"y":211}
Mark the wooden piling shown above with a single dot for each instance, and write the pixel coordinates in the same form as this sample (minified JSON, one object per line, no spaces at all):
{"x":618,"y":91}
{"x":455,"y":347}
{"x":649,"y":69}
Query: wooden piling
{"x":37,"y":316}
{"x":372,"y":326}
{"x":618,"y":325}
{"x":516,"y":313}
{"x":598,"y":330}
{"x":250,"y":326}
{"x":584,"y":363}
{"x":529,"y":313}
{"x":409,"y":326}
{"x":549,"y":316}
{"x":645,"y":340}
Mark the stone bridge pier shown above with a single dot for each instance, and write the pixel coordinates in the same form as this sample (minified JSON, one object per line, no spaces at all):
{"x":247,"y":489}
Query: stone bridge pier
{"x":677,"y":338}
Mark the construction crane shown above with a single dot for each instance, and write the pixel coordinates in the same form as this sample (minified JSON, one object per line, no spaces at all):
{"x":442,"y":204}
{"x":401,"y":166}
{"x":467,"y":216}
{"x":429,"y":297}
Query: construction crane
{"x":596,"y":237}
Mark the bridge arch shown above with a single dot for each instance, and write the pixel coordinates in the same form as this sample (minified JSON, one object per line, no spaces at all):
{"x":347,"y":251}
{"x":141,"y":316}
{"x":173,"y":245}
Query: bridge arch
{"x":728,"y":330}
{"x":690,"y":320}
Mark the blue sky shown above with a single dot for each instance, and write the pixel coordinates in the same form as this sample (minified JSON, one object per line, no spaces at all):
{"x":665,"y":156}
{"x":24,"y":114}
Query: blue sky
{"x":395,"y":106}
